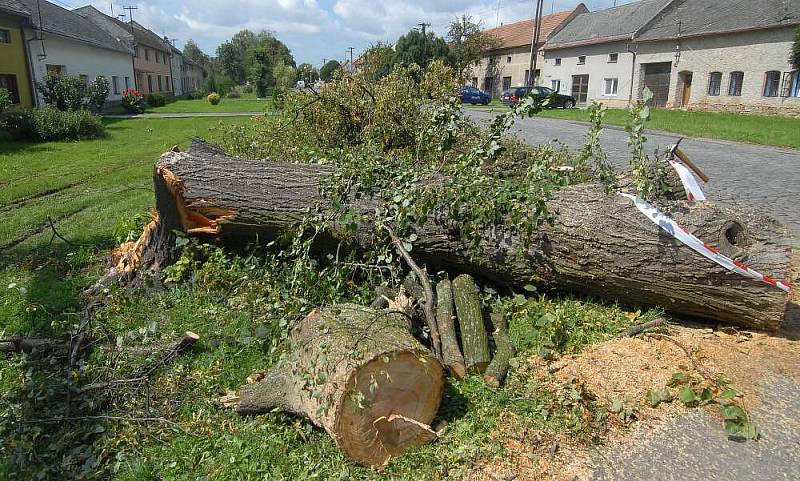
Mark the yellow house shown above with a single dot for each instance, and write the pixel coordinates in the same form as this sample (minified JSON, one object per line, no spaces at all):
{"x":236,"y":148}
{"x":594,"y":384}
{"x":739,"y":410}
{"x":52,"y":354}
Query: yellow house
{"x":14,"y":72}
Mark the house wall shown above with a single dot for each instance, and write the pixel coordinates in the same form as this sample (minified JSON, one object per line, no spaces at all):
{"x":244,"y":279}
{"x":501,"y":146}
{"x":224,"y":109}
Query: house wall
{"x":753,"y":53}
{"x":497,"y":66}
{"x":177,"y":72}
{"x":597,"y":66}
{"x":147,"y":65}
{"x":192,"y":77}
{"x":13,"y":59}
{"x":80,"y":59}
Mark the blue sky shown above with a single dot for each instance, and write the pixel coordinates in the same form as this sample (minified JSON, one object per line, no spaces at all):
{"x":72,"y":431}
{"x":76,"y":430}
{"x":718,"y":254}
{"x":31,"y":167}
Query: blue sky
{"x":319,"y":29}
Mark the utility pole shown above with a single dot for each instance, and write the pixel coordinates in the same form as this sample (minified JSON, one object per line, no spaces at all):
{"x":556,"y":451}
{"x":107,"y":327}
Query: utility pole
{"x":535,"y":43}
{"x":423,"y":26}
{"x":130,"y":12}
{"x":351,"y":58}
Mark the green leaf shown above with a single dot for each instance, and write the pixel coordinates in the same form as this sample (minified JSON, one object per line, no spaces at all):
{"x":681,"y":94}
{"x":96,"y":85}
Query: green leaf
{"x":732,"y":428}
{"x":616,"y":405}
{"x":749,"y":431}
{"x":729,"y":394}
{"x":706,"y":395}
{"x":530,"y":288}
{"x":665,"y":395}
{"x":687,"y":396}
{"x":677,"y":379}
{"x":654,"y":398}
{"x":733,"y":412}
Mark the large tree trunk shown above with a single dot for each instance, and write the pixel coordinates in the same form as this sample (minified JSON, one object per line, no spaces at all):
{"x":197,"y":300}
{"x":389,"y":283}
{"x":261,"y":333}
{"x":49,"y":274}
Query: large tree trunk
{"x":598,"y":245}
{"x":361,"y":375}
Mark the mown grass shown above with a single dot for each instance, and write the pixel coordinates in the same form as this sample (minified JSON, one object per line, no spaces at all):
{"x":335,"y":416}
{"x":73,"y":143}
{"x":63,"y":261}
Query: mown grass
{"x":756,"y":129}
{"x":225,"y":105}
{"x":99,"y":192}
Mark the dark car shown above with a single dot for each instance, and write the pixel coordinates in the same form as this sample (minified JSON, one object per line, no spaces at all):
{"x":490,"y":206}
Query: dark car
{"x":471,"y":95}
{"x":513,"y":95}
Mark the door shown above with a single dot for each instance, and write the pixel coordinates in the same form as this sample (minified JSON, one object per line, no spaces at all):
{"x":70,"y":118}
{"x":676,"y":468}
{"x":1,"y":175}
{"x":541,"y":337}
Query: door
{"x":580,"y":88}
{"x":487,"y":86}
{"x":686,"y":94}
{"x":656,"y":78}
{"x":506,"y":83}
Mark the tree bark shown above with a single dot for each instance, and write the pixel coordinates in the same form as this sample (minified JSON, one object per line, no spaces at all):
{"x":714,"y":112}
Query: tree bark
{"x":504,"y":351}
{"x":474,"y":340}
{"x":598,"y":245}
{"x":445,"y":317}
{"x":359,"y":374}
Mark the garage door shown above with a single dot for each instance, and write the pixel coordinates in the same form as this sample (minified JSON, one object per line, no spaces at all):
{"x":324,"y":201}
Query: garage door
{"x":656,"y":78}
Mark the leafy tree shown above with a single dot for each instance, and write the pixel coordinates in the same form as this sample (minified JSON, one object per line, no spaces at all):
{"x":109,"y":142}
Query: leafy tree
{"x":260,"y":73}
{"x":307,"y":73}
{"x":327,"y":70}
{"x":413,"y":47}
{"x":378,"y":61}
{"x":285,"y":76}
{"x":277,"y":50}
{"x":64,"y":92}
{"x":796,"y":50}
{"x":467,"y":44}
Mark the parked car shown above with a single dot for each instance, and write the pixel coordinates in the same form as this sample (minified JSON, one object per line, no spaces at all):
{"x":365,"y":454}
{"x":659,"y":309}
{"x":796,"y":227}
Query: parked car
{"x":513,"y":95}
{"x":472,"y":95}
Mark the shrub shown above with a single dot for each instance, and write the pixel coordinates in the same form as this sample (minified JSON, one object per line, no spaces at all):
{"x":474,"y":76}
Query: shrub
{"x":18,"y":122}
{"x":64,"y":92}
{"x":5,"y":100}
{"x":133,"y":101}
{"x":213,"y":98}
{"x":97,"y":93}
{"x":49,"y":123}
{"x":156,"y":100}
{"x":234,"y":94}
{"x":247,"y":89}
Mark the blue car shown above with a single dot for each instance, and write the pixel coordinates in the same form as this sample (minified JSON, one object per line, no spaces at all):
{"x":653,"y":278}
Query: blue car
{"x":471,"y":95}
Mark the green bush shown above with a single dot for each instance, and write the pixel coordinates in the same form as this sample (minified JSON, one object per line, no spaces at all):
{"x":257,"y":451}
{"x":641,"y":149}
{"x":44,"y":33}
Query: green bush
{"x":5,"y":100}
{"x":213,"y":98}
{"x":234,"y":94}
{"x":133,"y":101}
{"x":247,"y":89}
{"x":156,"y":100}
{"x":49,"y":123}
{"x":97,"y":93}
{"x":64,"y":92}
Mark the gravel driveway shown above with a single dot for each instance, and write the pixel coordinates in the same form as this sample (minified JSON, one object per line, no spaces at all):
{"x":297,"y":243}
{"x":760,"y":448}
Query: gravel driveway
{"x":753,"y":174}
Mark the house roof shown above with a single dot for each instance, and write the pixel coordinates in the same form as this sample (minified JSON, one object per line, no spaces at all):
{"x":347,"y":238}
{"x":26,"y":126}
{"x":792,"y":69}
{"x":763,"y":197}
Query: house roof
{"x":129,"y":32}
{"x":519,"y":34}
{"x":60,"y":21}
{"x":15,"y":8}
{"x":612,"y":24}
{"x":702,"y":17}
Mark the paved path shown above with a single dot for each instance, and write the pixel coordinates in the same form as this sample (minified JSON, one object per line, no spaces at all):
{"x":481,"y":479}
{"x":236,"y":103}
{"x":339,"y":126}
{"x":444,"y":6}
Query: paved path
{"x":183,"y":115}
{"x":769,"y":176}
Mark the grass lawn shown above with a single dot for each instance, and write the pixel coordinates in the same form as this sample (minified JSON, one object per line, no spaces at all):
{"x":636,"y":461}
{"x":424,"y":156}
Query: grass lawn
{"x":757,"y":129}
{"x":97,"y":193}
{"x":225,"y":105}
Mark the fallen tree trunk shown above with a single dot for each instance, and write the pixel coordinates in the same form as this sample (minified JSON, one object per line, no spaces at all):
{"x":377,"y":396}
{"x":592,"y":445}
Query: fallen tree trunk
{"x":474,"y":340}
{"x":504,"y":350}
{"x":598,"y":245}
{"x":446,"y":320}
{"x":360,"y":374}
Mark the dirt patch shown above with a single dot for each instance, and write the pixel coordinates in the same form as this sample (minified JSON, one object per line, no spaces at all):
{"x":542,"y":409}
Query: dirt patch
{"x":625,"y":369}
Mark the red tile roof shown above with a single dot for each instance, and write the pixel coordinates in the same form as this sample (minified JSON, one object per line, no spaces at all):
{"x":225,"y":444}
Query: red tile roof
{"x":519,"y":34}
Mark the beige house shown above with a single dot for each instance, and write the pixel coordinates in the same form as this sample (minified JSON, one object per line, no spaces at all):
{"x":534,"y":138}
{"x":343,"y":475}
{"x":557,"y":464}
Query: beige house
{"x":694,"y":54}
{"x":509,"y":65}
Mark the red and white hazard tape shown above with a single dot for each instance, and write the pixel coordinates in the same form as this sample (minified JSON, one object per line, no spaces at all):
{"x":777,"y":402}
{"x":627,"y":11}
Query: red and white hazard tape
{"x":693,"y":190}
{"x":682,"y":234}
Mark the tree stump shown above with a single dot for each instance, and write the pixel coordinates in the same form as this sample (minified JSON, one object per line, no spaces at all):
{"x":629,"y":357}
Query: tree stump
{"x":359,"y":374}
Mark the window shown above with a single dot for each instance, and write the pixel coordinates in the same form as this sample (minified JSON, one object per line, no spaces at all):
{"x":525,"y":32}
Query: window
{"x":147,"y":54}
{"x":735,"y":84}
{"x":791,"y":84}
{"x":772,"y":81}
{"x":582,"y":60}
{"x":555,"y":85}
{"x":55,"y":69}
{"x":613,"y":57}
{"x":169,"y":87}
{"x":557,"y":62}
{"x":149,"y":83}
{"x":127,"y":83}
{"x":506,"y":83}
{"x":9,"y":82}
{"x":610,"y":86}
{"x":508,"y":59}
{"x":160,"y":87}
{"x":714,"y":83}
{"x":487,"y":84}
{"x":5,"y":36}
{"x":115,"y":84}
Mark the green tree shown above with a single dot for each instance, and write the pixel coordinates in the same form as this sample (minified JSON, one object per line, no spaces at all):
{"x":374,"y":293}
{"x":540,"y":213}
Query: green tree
{"x":232,"y":53}
{"x":467,"y":44}
{"x":378,"y":61}
{"x":260,"y":73}
{"x":414,"y":47}
{"x":796,"y":50}
{"x":193,"y":52}
{"x":327,"y":70}
{"x":307,"y":73}
{"x":285,"y":76}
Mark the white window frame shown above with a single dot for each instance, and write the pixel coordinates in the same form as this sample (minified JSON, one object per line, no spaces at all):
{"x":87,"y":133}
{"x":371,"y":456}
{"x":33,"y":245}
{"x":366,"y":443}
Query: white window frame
{"x":613,"y":82}
{"x":555,"y":85}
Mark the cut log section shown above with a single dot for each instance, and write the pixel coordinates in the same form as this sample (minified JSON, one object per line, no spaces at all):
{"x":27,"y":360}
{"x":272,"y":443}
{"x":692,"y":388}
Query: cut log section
{"x":359,"y":374}
{"x":598,"y":244}
{"x":504,"y":351}
{"x":474,"y":341}
{"x":445,"y":319}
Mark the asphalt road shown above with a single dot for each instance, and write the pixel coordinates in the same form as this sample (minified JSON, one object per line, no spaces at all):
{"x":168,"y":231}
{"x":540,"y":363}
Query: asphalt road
{"x":753,"y":174}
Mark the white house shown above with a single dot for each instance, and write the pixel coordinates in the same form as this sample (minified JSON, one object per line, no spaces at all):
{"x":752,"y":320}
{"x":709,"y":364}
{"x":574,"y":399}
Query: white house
{"x":62,"y":42}
{"x":176,"y":64}
{"x":694,"y":54}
